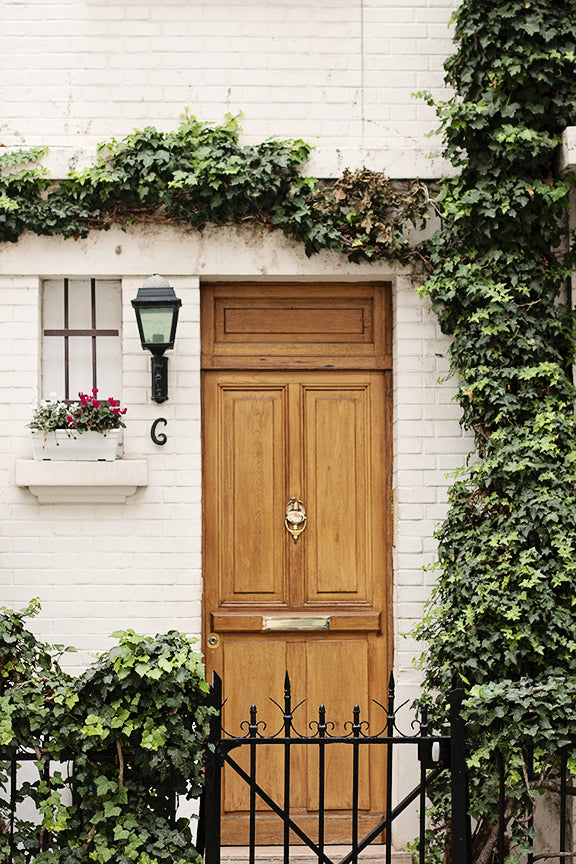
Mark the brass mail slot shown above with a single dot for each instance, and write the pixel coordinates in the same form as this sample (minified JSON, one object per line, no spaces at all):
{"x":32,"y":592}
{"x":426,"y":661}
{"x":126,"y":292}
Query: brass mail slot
{"x":296,"y":622}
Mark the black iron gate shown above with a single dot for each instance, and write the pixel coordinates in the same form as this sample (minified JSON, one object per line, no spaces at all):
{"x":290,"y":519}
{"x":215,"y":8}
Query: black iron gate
{"x":436,"y":754}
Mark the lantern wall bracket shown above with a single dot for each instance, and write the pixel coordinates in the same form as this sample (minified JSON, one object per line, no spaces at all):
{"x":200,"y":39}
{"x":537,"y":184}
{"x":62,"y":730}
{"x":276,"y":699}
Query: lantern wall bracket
{"x":156,"y":307}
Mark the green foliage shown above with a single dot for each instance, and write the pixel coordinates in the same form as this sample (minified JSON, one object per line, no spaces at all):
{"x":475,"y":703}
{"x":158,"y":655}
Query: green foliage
{"x":504,"y":612}
{"x":135,"y":722}
{"x":90,"y":414}
{"x":201,"y":174}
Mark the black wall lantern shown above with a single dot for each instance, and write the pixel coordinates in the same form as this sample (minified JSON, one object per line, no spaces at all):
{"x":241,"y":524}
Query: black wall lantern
{"x":156,"y":307}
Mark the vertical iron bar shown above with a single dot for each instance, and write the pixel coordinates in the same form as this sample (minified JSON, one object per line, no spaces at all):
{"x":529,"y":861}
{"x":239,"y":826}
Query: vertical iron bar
{"x":461,"y":844}
{"x":253,"y":729}
{"x":501,"y":806}
{"x":66,"y":342}
{"x":172,"y":805}
{"x":321,"y":779}
{"x":93,"y":319}
{"x":287,"y":756}
{"x":422,"y":836}
{"x":200,"y":829}
{"x":563,"y":797}
{"x":45,"y":775}
{"x":212,"y":791}
{"x":530,"y":856}
{"x":389,"y":764}
{"x":355,"y":755}
{"x":13,"y":781}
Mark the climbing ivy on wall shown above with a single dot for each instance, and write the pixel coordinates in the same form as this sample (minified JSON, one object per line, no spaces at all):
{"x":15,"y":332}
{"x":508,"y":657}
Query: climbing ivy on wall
{"x":200,"y":174}
{"x":503,"y":613}
{"x":135,"y":721}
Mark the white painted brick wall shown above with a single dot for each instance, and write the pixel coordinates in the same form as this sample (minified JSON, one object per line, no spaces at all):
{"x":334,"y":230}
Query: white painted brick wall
{"x":338,"y":73}
{"x":154,"y":539}
{"x":97,"y":568}
{"x":429,"y":444}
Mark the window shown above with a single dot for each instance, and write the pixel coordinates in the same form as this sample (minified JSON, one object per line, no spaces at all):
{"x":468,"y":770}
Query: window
{"x":81,"y":337}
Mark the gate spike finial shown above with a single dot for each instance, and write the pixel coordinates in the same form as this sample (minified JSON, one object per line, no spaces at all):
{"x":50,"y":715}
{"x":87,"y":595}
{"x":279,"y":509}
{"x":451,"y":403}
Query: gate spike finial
{"x":287,"y":705}
{"x":390,"y":711}
{"x":322,"y":720}
{"x":253,"y":727}
{"x":424,"y":718}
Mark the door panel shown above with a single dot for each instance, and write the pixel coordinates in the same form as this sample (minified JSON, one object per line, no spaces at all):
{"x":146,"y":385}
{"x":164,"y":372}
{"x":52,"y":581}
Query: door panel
{"x":338,"y":693}
{"x":321,"y":437}
{"x":251,"y":454}
{"x":337,"y":435}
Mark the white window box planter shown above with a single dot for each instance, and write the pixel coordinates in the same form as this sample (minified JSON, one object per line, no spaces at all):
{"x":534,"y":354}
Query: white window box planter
{"x":64,"y":446}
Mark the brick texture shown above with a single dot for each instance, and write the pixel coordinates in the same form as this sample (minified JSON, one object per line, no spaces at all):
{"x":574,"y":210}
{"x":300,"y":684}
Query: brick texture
{"x":339,"y":74}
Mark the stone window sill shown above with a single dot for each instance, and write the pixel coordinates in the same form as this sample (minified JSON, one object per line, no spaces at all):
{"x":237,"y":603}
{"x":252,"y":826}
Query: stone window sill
{"x":82,"y":482}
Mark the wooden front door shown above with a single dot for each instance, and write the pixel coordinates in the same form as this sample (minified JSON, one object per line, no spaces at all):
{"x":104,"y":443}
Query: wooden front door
{"x":313,"y":440}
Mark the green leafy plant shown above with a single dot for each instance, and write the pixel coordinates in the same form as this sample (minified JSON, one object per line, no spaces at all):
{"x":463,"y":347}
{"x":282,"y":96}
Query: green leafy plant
{"x":200,"y":174}
{"x":503,"y":613}
{"x":135,"y":724}
{"x":89,"y":414}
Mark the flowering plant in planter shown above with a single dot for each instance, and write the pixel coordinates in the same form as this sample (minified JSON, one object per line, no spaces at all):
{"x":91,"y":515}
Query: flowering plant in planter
{"x":90,"y":414}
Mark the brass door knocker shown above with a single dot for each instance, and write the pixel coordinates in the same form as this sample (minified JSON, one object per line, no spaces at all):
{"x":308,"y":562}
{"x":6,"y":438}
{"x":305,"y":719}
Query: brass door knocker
{"x":295,"y":518}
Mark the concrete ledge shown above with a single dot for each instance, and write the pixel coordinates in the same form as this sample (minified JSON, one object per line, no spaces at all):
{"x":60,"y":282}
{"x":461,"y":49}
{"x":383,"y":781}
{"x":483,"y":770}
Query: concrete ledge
{"x":402,"y":160}
{"x":82,"y":482}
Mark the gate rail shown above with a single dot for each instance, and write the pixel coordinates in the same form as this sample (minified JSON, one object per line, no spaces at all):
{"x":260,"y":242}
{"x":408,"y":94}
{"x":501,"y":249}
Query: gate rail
{"x":436,"y":754}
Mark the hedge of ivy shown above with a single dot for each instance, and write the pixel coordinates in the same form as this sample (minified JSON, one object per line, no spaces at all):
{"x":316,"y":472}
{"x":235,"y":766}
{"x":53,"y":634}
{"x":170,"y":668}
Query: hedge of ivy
{"x":135,"y":721}
{"x":503,"y":612}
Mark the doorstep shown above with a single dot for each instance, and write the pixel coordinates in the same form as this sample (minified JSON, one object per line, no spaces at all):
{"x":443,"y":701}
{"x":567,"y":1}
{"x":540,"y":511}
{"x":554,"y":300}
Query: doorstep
{"x":303,"y":855}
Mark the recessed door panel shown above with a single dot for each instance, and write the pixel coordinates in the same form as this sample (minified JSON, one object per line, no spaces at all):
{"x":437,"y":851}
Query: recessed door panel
{"x":250,"y":436}
{"x":338,"y":443}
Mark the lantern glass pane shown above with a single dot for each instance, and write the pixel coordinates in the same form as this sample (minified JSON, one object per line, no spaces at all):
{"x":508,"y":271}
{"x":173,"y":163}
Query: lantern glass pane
{"x":157,"y":324}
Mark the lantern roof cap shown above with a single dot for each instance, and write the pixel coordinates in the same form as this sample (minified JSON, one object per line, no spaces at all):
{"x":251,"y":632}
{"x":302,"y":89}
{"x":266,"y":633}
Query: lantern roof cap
{"x":156,"y":291}
{"x":156,"y":281}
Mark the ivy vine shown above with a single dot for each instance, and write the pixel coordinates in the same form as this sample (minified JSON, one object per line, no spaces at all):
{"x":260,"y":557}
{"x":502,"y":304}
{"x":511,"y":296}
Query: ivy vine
{"x":135,"y":722}
{"x":503,"y":613}
{"x":201,"y":174}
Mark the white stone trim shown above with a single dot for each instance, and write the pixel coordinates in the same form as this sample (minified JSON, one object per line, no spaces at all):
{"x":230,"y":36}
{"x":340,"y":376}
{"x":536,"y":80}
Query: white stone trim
{"x":82,"y":482}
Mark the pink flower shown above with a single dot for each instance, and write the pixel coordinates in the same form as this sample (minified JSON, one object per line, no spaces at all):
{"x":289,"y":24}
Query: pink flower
{"x":112,"y":401}
{"x":116,"y":411}
{"x":94,"y":391}
{"x":95,"y":403}
{"x":69,"y":418}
